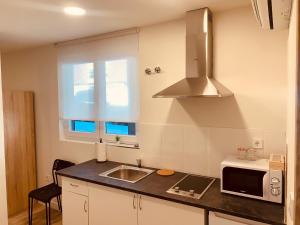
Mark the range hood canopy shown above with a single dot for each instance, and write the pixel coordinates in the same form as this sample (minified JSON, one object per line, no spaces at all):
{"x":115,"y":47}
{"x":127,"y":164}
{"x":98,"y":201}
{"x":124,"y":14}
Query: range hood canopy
{"x":199,"y":81}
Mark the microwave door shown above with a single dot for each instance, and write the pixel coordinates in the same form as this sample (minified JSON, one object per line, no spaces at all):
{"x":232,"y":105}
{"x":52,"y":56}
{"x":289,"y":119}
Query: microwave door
{"x":266,"y":182}
{"x":244,"y":181}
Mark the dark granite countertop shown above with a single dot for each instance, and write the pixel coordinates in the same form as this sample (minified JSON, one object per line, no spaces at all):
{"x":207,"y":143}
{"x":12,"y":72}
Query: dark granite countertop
{"x":156,"y":186}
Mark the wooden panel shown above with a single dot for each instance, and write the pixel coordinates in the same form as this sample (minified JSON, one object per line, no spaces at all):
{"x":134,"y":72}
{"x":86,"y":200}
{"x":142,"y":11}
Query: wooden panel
{"x":19,"y":134}
{"x":297,"y":160}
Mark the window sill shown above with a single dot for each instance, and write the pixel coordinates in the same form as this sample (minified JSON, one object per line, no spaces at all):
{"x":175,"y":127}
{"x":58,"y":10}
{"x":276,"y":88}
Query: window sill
{"x":123,"y":145}
{"x":107,"y":142}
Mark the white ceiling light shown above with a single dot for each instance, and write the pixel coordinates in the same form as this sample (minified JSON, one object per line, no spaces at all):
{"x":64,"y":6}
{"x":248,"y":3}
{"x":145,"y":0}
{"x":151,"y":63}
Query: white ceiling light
{"x":74,"y":11}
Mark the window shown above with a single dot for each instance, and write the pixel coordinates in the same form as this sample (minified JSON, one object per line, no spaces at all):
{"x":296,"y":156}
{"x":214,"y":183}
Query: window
{"x":98,"y":88}
{"x":80,"y":130}
{"x":118,"y":90}
{"x":115,"y":128}
{"x":83,"y":126}
{"x":116,"y":83}
{"x":83,"y":82}
{"x":77,"y":91}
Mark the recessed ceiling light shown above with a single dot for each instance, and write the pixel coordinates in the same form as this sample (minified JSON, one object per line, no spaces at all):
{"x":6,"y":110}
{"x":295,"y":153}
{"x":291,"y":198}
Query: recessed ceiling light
{"x":74,"y":11}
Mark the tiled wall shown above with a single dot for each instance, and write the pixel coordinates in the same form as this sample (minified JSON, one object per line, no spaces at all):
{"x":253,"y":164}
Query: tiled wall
{"x":194,"y":149}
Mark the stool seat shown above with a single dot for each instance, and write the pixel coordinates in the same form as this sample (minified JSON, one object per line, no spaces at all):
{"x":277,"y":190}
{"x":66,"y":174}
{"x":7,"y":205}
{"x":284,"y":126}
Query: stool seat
{"x":46,"y":193}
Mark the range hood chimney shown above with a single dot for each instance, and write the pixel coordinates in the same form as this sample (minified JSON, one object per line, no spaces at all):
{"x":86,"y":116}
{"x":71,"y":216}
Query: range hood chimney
{"x":199,"y":81}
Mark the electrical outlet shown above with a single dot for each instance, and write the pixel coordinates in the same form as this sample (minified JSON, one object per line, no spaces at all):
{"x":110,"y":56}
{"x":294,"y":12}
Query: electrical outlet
{"x":257,"y":143}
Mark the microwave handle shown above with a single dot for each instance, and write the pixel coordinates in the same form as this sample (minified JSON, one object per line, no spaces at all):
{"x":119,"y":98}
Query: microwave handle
{"x":266,"y":184}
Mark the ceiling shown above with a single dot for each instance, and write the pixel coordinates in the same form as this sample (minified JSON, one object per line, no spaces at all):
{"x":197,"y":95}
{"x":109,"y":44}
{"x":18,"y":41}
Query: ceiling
{"x":28,"y":23}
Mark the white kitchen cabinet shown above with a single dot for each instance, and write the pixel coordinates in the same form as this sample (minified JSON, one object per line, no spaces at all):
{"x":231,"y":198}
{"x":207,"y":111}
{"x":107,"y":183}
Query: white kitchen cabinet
{"x":153,"y":211}
{"x":74,"y":202}
{"x":92,"y":204}
{"x":108,"y":206}
{"x":75,"y":208}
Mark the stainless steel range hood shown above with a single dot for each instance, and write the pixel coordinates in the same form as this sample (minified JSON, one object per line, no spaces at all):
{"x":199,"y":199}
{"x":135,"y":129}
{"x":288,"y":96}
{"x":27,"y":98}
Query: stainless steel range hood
{"x":199,"y":81}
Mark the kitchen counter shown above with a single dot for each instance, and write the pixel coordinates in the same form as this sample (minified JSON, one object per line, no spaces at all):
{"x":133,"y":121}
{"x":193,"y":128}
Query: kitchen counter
{"x":156,"y":186}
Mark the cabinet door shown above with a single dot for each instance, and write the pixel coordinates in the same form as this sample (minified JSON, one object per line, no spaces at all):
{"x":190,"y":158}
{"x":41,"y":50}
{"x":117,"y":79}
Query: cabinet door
{"x":108,"y":206}
{"x":75,"y":208}
{"x":152,"y":211}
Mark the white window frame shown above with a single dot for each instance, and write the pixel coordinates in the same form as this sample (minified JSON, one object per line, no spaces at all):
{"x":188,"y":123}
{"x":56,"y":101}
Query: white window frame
{"x":124,"y":139}
{"x":68,"y":133}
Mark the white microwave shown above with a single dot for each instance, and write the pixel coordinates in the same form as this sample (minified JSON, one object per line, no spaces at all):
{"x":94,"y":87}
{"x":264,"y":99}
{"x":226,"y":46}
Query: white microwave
{"x":252,"y":179}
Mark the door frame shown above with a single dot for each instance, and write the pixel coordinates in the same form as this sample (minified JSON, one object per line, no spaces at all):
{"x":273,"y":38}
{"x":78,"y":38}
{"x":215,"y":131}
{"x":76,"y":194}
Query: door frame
{"x":297,"y":158}
{"x":3,"y":193}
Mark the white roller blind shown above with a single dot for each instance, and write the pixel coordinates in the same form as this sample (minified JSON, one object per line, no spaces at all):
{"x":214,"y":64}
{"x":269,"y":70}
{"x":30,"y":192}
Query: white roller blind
{"x":98,"y":80}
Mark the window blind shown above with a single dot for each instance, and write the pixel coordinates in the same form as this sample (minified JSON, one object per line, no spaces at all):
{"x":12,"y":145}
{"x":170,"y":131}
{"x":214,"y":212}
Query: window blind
{"x":98,"y":80}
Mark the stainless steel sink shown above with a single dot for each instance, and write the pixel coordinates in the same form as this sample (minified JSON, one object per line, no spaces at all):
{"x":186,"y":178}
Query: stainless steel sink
{"x":127,"y":173}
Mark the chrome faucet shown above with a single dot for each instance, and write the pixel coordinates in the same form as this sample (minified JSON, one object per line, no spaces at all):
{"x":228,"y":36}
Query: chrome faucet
{"x":139,"y":162}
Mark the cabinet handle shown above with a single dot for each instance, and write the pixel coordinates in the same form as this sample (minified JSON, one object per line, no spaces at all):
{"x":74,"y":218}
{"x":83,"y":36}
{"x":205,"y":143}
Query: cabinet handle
{"x":84,"y":207}
{"x":133,"y":201}
{"x":74,"y":185}
{"x":140,"y":202}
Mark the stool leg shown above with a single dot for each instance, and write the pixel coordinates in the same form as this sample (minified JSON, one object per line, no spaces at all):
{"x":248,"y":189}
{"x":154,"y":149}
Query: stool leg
{"x":49,"y":216}
{"x":46,"y":213}
{"x":58,"y":202}
{"x":29,"y":212}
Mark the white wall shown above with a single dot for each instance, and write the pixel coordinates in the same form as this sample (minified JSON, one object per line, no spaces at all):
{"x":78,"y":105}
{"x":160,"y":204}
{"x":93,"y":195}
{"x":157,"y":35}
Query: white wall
{"x":3,"y":196}
{"x":192,"y":135}
{"x":292,"y":69}
{"x":248,"y":60}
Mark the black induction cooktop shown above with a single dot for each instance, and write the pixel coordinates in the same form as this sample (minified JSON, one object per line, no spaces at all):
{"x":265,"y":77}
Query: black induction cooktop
{"x":192,"y":186}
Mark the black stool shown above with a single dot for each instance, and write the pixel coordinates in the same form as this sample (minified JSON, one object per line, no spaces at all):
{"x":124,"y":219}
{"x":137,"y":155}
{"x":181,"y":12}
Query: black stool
{"x":47,"y":193}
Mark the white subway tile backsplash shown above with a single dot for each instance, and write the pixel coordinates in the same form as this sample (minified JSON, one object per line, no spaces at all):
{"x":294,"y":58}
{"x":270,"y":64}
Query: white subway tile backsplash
{"x":173,"y":162}
{"x":196,"y":164}
{"x":195,"y":152}
{"x":150,"y":139}
{"x":150,"y":160}
{"x":123,"y":155}
{"x":274,"y":142}
{"x":221,"y":142}
{"x":195,"y":140}
{"x":193,"y":149}
{"x":172,"y":140}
